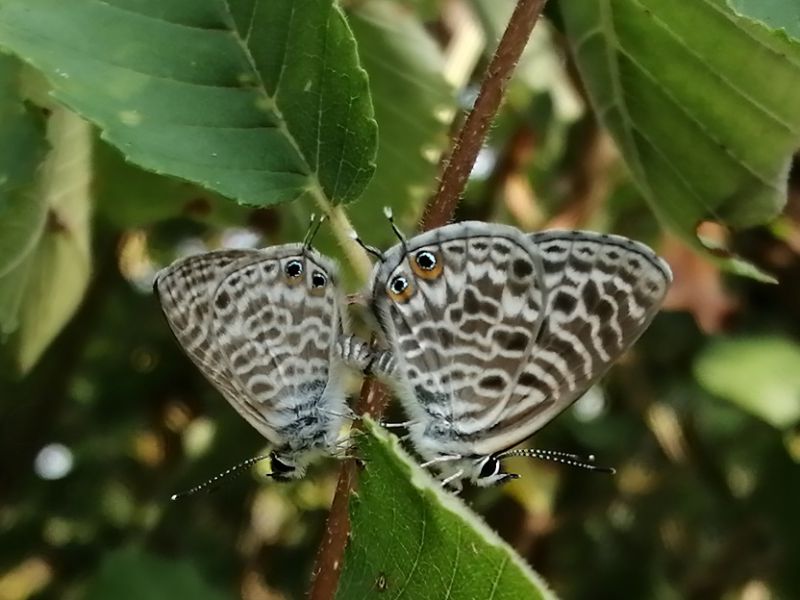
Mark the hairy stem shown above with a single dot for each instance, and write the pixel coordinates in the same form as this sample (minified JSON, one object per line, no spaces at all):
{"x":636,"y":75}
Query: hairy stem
{"x":439,"y":211}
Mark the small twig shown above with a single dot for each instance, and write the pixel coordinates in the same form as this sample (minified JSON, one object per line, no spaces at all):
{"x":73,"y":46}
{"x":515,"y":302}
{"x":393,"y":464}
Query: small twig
{"x":470,"y":139}
{"x":439,"y":211}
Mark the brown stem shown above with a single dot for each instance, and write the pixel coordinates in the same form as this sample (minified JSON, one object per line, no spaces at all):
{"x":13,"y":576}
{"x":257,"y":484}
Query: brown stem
{"x":470,"y":139}
{"x":439,"y":211}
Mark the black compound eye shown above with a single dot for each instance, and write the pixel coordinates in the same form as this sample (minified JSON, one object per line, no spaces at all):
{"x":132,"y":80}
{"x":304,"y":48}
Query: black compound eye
{"x":318,"y":279}
{"x":294,"y":268}
{"x":399,"y":284}
{"x":490,"y":468}
{"x":426,"y":260}
{"x":279,"y":467}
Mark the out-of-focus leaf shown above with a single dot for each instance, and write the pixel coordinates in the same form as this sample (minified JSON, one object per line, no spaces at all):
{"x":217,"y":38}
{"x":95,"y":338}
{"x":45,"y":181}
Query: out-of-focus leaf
{"x":22,"y":150}
{"x":414,"y":106}
{"x":410,"y":539}
{"x":132,"y":574}
{"x":47,"y":286}
{"x":681,"y":86}
{"x":260,"y":100}
{"x":760,"y":375}
{"x":775,"y":14}
{"x":132,"y":197}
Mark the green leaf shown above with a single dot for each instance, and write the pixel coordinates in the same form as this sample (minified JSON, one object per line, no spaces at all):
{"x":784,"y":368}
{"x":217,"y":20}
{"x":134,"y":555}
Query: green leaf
{"x":262,"y":101}
{"x":43,"y":290}
{"x":775,"y":14}
{"x":133,"y":574}
{"x":414,"y":106}
{"x":410,"y":539}
{"x":681,"y":86}
{"x":761,"y":375}
{"x":129,"y":196}
{"x":22,"y":150}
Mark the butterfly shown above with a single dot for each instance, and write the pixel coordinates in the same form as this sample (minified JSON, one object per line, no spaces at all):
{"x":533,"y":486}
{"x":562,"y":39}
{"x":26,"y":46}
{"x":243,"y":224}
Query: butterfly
{"x":493,"y":332}
{"x":266,"y":328}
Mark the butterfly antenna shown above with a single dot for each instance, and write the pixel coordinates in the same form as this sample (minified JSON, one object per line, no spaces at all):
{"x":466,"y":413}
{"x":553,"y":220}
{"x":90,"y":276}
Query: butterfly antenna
{"x":211,"y":484}
{"x":369,"y":249}
{"x":390,"y":216}
{"x":564,"y":458}
{"x":313,"y":228}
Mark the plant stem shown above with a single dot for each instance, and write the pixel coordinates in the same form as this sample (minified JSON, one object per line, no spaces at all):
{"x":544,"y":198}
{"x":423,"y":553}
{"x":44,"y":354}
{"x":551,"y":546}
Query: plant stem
{"x":441,"y":208}
{"x":439,"y":211}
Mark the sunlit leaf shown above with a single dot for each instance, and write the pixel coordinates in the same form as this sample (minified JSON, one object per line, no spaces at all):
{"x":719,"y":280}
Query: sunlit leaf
{"x":48,"y":284}
{"x":410,"y":539}
{"x":262,"y":101}
{"x":761,"y":375}
{"x":682,"y":88}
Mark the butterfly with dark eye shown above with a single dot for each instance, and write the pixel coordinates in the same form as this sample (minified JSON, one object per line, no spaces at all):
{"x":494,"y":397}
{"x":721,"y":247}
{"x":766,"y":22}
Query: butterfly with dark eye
{"x":493,"y":332}
{"x":264,"y":327}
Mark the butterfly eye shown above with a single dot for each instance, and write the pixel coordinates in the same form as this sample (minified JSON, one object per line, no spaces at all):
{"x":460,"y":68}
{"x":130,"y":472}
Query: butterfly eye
{"x":318,"y":279}
{"x":293,"y":268}
{"x":490,"y":468}
{"x":426,"y":265}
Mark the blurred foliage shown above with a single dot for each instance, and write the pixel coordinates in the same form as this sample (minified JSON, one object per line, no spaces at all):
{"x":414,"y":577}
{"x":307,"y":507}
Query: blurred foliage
{"x":701,"y":419}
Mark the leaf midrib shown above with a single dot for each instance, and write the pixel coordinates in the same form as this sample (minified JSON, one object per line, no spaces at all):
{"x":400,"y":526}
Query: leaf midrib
{"x":315,"y":188}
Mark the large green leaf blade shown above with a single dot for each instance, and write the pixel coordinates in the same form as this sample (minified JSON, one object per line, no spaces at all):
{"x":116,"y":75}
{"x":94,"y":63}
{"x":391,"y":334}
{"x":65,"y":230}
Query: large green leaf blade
{"x":681,"y":87}
{"x":410,"y":539}
{"x":260,"y":101}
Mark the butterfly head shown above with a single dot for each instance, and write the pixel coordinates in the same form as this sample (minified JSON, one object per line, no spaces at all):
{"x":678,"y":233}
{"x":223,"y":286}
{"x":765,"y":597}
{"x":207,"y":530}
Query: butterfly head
{"x":285,"y":467}
{"x":488,"y":472}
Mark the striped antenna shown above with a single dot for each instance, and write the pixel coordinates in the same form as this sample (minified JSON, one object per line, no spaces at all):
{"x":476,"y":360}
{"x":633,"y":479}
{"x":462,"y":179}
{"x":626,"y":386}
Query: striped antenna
{"x":313,"y":229}
{"x":564,"y":458}
{"x":211,"y":484}
{"x":369,"y":249}
{"x":387,"y":211}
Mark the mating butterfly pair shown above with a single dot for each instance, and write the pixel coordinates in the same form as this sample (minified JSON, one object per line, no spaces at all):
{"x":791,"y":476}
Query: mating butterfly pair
{"x":490,"y":333}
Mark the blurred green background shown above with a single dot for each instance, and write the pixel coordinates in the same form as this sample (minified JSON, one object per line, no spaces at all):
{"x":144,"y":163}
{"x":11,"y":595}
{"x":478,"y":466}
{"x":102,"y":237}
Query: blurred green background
{"x":102,"y":417}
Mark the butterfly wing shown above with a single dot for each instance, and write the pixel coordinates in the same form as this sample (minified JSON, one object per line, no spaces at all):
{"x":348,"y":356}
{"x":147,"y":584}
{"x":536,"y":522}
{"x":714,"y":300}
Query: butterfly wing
{"x":520,"y":368}
{"x":214,"y":302}
{"x":185,"y":290}
{"x":602,"y":293}
{"x":277,"y":334}
{"x":462,"y":330}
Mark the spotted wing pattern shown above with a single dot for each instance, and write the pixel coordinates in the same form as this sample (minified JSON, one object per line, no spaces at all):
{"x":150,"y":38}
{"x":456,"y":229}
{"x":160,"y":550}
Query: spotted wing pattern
{"x":513,"y":328}
{"x":264,"y":338}
{"x":463,"y":330}
{"x":602,"y":293}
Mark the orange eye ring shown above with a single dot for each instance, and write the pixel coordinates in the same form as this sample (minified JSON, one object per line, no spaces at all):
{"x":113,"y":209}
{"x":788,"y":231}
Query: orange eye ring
{"x":294,"y":272}
{"x":426,"y":264}
{"x":400,"y":288}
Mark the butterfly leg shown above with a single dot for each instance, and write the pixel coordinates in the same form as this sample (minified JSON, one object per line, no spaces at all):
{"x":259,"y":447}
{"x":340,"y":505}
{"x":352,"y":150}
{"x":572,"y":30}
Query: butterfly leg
{"x":383,"y":365}
{"x":441,"y":459}
{"x":354,"y":352}
{"x":454,"y":477}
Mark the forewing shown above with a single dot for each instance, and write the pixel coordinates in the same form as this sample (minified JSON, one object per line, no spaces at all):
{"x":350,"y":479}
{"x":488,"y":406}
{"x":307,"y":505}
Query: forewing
{"x":277,"y":335}
{"x":602,"y":293}
{"x":463,"y":333}
{"x":185,"y":290}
